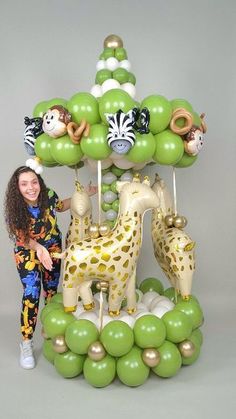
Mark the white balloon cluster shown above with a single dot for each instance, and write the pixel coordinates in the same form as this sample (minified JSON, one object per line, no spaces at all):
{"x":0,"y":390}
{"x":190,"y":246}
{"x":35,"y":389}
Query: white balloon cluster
{"x":112,"y":64}
{"x":149,"y":303}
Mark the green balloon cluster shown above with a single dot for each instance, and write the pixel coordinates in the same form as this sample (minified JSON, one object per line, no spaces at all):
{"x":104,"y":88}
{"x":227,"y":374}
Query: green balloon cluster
{"x":123,"y":347}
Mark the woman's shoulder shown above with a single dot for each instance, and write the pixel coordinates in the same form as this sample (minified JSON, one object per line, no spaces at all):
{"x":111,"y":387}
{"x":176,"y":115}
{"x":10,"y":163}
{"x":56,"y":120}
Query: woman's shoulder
{"x":52,"y":195}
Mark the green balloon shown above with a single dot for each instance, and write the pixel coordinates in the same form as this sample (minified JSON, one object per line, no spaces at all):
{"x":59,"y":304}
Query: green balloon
{"x":170,"y":362}
{"x":120,"y":54}
{"x":116,"y":205}
{"x":114,"y":187}
{"x":186,"y":161}
{"x":196,"y":119}
{"x":84,"y":106}
{"x":117,"y":171}
{"x":108,"y":52}
{"x":160,"y":112}
{"x":181,"y":103}
{"x":69,"y":365}
{"x":197,"y":337}
{"x":57,"y":298}
{"x":49,"y":164}
{"x":132,"y":79}
{"x":113,"y":100}
{"x":57,"y":101}
{"x":95,"y":145}
{"x":40,"y":109}
{"x":191,"y":298}
{"x":100,"y":373}
{"x":169,"y":148}
{"x":121,"y":75}
{"x":170,"y":293}
{"x":106,"y":206}
{"x":149,"y":331}
{"x":143,"y":149}
{"x":193,"y":311}
{"x":64,"y":151}
{"x":50,"y":307}
{"x":56,"y":322}
{"x":103,"y":75}
{"x":178,"y":326}
{"x":151,"y":284}
{"x":190,"y":360}
{"x":105,"y":187}
{"x":42,"y":148}
{"x":117,"y":338}
{"x":48,"y":351}
{"x":80,"y":334}
{"x":131,"y":369}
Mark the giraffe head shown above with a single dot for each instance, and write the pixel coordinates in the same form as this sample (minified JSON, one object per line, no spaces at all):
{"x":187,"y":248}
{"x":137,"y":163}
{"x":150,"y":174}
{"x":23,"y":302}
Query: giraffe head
{"x":136,"y":195}
{"x":163,"y":194}
{"x":80,"y":201}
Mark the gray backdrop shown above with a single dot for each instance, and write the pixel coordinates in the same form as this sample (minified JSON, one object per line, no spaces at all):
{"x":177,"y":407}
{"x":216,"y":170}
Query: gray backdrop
{"x":177,"y":49}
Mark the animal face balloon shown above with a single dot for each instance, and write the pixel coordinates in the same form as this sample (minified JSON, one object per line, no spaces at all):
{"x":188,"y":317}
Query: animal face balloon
{"x":55,"y":121}
{"x":194,"y":141}
{"x":32,"y":130}
{"x":121,"y":136}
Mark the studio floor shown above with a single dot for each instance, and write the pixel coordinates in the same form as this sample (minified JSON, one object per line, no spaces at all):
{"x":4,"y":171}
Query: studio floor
{"x":206,"y":389}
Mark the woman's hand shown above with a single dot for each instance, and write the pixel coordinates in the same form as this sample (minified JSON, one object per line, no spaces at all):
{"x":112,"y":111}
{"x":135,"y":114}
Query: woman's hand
{"x":44,"y":256}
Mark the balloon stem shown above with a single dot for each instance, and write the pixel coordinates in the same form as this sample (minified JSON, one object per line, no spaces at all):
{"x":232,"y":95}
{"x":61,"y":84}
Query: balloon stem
{"x":76,"y":174}
{"x":99,"y":168}
{"x":100,"y":321}
{"x":174,"y":191}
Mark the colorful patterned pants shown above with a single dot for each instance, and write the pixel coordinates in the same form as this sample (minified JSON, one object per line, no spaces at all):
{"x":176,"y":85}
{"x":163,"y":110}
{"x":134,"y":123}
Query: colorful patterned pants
{"x":32,"y":275}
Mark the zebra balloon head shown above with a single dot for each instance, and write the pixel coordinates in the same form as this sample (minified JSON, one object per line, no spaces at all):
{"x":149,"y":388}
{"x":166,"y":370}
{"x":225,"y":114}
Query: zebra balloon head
{"x":33,"y":128}
{"x":121,"y":136}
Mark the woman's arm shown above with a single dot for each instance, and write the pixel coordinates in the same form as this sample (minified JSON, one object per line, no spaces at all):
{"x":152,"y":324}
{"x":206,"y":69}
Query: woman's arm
{"x":64,"y":205}
{"x":42,"y":253}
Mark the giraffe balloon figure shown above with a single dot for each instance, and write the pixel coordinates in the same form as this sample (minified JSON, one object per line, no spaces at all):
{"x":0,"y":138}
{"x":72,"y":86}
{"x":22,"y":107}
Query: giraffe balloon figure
{"x":81,"y":215}
{"x":173,"y":248}
{"x":112,"y":258}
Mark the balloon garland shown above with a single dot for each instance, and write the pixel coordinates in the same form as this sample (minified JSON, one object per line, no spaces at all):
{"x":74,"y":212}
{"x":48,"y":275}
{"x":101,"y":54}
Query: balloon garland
{"x":107,"y":130}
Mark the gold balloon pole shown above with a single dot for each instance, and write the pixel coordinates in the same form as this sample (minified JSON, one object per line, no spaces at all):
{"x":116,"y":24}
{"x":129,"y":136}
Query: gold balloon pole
{"x":99,"y":168}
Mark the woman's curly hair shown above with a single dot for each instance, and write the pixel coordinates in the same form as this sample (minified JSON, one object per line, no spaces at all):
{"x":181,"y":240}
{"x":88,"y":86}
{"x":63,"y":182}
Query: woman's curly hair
{"x":17,"y":216}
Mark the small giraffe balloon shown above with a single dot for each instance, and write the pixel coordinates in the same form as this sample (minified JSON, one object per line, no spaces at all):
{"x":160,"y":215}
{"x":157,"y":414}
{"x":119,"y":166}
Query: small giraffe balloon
{"x":173,"y":248}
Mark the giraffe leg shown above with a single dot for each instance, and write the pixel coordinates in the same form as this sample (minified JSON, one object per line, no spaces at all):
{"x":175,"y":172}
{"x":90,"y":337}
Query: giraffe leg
{"x":70,"y":298}
{"x":86,"y":295}
{"x":116,"y":295}
{"x":131,"y":294}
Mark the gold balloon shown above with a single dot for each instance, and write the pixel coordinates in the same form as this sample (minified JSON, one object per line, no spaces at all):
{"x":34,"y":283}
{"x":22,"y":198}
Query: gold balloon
{"x":151,"y":357}
{"x":59,"y":344}
{"x":96,"y":351}
{"x":169,"y":219}
{"x":94,"y":231}
{"x":187,"y":348}
{"x":44,"y":335}
{"x":179,"y":221}
{"x":102,"y":286}
{"x":104,"y":229}
{"x":113,"y":41}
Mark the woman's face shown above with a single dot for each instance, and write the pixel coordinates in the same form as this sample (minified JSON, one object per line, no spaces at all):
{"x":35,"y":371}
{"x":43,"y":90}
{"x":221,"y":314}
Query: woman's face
{"x":29,"y":187}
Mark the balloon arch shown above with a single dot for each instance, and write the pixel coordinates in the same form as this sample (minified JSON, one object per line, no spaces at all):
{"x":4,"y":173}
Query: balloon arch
{"x":102,"y":324}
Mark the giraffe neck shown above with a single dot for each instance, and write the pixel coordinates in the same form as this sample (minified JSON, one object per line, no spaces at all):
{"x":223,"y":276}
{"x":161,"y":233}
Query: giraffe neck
{"x":158,"y":219}
{"x":130,"y":227}
{"x":78,"y":229}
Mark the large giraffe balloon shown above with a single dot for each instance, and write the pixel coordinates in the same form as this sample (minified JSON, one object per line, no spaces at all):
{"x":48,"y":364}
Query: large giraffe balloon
{"x":173,"y":248}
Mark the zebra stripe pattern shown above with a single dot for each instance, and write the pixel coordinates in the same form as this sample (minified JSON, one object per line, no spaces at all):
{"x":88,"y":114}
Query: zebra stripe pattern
{"x":121,"y":127}
{"x":32,"y":130}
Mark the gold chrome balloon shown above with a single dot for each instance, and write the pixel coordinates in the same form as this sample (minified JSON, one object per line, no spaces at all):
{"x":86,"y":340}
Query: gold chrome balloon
{"x":44,"y":335}
{"x":59,"y":344}
{"x":94,"y":231}
{"x":151,"y":357}
{"x":169,"y":219}
{"x":102,"y":286}
{"x":104,"y":229}
{"x":113,"y":41}
{"x":179,"y":221}
{"x":96,"y":351}
{"x":187,"y":348}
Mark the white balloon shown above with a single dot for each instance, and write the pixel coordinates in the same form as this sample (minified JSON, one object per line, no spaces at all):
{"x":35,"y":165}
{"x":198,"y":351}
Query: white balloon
{"x":79,"y":310}
{"x":124,"y":164}
{"x":115,"y":156}
{"x":165,"y":303}
{"x":125,"y":64}
{"x":106,"y":319}
{"x":156,"y":300}
{"x":141,"y":306}
{"x":112,"y":63}
{"x":160,"y":311}
{"x":127,"y":177}
{"x":129,"y":88}
{"x":128,"y":320}
{"x":111,"y":215}
{"x":101,"y":64}
{"x":140,"y":294}
{"x":108,"y":178}
{"x":148,"y":297}
{"x":89,"y":315}
{"x":93,"y":165}
{"x":141,"y":313}
{"x":139,"y":166}
{"x":109,"y":197}
{"x":96,"y":90}
{"x":109,"y":85}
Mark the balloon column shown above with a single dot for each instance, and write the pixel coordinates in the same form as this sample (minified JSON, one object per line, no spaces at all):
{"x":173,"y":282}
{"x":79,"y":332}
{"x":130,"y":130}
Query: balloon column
{"x":103,"y":325}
